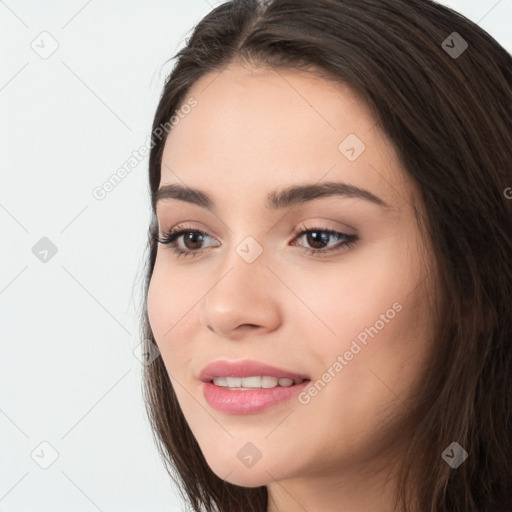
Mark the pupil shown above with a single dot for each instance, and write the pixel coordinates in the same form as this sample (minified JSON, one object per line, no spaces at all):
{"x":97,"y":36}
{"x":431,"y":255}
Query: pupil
{"x":316,"y":239}
{"x":322,"y":239}
{"x":190,"y":238}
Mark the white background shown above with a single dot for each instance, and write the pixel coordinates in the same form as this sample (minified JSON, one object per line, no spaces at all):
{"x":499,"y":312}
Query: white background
{"x":69,"y":326}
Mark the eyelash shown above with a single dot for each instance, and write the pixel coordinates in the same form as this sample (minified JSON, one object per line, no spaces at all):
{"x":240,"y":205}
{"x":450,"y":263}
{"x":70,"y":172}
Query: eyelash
{"x":170,"y":238}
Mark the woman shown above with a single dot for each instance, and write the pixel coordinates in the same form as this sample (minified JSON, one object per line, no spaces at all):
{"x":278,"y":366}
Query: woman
{"x":330,"y":267}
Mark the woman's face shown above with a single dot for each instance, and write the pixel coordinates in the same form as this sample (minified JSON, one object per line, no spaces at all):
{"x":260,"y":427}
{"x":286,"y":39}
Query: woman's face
{"x":353,"y":319}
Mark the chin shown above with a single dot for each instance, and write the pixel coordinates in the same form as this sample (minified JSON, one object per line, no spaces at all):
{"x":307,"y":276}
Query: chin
{"x":238,"y":474}
{"x":246,"y":478}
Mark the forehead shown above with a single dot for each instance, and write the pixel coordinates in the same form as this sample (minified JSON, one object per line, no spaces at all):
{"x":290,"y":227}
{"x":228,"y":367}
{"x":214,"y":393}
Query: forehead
{"x":264,"y":128}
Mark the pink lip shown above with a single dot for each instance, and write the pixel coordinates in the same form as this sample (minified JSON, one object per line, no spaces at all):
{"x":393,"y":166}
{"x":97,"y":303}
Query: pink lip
{"x":247,"y":401}
{"x":245,"y":368}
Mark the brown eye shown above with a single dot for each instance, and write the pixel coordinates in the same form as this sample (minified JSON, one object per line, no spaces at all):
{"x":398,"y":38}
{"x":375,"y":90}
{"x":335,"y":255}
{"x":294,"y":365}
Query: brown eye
{"x":318,"y":239}
{"x":192,"y":240}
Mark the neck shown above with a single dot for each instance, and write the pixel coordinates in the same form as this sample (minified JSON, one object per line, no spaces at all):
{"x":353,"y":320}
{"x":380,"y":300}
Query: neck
{"x":346,"y":490}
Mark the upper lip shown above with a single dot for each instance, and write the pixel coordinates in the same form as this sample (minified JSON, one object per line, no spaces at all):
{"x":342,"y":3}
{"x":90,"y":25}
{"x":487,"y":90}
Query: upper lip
{"x":245,"y":368}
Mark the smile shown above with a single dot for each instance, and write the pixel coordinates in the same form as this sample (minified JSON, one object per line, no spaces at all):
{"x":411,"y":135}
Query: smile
{"x":256,"y":382}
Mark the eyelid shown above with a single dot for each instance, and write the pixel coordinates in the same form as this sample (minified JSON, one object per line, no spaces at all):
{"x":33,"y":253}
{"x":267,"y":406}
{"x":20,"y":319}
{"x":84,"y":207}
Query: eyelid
{"x":298,"y":230}
{"x":320,"y":224}
{"x":309,"y":224}
{"x":347,"y":240}
{"x":190,"y":225}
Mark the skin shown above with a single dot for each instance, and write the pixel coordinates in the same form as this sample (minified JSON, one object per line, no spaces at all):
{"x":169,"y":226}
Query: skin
{"x":253,"y":131}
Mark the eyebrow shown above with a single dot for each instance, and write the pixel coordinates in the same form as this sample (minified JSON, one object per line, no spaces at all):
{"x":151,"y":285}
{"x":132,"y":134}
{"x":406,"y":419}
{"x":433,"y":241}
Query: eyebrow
{"x":276,"y":200}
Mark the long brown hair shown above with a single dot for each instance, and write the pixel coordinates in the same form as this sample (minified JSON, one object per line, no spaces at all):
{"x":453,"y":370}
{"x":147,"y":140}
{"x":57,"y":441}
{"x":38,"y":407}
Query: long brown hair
{"x":447,"y":109}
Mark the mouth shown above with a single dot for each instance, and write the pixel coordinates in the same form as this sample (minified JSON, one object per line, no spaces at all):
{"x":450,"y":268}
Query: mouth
{"x":249,"y":374}
{"x":255,"y":382}
{"x":249,"y":387}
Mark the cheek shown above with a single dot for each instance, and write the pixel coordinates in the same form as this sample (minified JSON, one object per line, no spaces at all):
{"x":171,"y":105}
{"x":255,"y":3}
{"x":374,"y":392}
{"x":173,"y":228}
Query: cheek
{"x":385,"y":341}
{"x":375,"y":312}
{"x":340,"y":303}
{"x":158,"y":295}
{"x":170,"y":317}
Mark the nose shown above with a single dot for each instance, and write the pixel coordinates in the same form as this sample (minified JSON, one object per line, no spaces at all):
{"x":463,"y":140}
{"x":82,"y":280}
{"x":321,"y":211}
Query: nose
{"x":244,"y":299}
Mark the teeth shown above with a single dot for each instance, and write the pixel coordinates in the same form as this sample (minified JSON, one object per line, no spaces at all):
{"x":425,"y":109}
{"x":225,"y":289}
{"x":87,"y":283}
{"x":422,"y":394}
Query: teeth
{"x":220,"y":381}
{"x":251,"y":382}
{"x":269,"y":382}
{"x":234,"y":382}
{"x":254,"y":382}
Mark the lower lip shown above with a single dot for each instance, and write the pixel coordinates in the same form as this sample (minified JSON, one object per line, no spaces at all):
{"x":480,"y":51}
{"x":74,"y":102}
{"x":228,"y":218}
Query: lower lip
{"x":230,"y":401}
